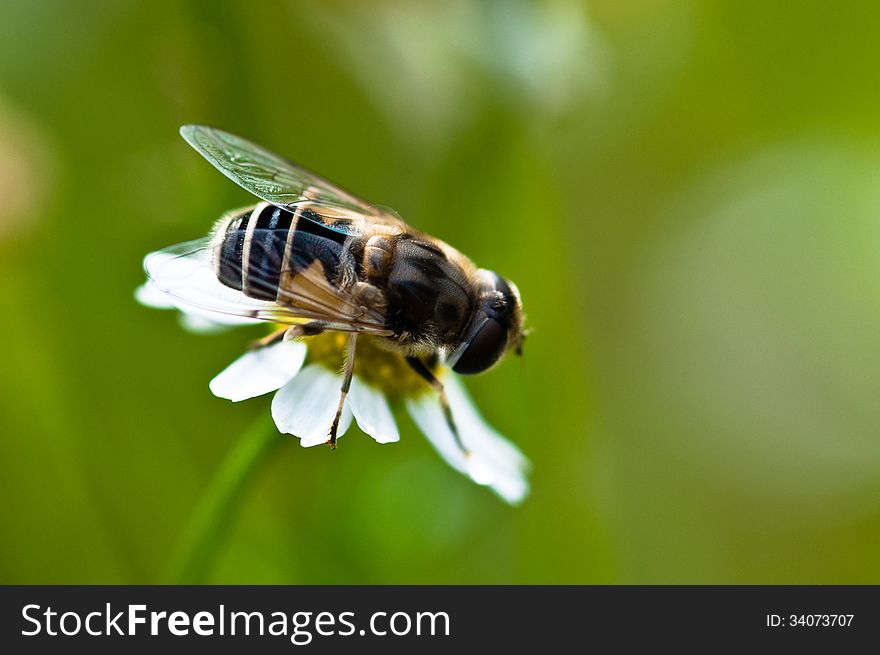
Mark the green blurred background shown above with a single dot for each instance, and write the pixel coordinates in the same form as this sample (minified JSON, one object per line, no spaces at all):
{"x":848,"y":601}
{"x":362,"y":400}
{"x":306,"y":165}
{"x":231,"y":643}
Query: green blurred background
{"x":686,"y":193}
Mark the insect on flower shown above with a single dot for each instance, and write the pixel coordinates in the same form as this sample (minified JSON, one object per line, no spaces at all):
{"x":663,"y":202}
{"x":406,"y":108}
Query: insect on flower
{"x":390,"y":306}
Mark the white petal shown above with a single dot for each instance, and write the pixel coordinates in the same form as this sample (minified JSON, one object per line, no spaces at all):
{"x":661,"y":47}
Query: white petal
{"x":184,"y":274}
{"x":306,"y":405}
{"x":191,"y":318}
{"x":428,"y":415}
{"x":259,"y":371}
{"x":199,"y":324}
{"x":150,"y":295}
{"x":491,"y":459}
{"x":494,"y":460}
{"x":372,"y":413}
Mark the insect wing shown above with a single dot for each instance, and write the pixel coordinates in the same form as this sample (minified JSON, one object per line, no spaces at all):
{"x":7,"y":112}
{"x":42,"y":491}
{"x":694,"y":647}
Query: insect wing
{"x":267,"y":175}
{"x":184,"y":272}
{"x":301,"y":282}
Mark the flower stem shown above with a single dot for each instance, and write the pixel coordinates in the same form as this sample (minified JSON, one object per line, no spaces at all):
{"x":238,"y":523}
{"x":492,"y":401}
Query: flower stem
{"x":202,"y":540}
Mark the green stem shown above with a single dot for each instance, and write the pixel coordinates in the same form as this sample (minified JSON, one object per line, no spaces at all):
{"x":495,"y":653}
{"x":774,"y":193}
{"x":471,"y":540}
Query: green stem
{"x":202,"y":540}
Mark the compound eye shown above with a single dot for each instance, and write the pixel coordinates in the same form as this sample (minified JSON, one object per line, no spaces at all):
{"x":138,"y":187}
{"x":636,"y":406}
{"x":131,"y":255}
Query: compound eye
{"x":483,"y":349}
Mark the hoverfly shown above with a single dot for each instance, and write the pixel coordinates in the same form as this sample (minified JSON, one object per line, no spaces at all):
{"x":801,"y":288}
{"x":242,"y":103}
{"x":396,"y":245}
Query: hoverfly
{"x":314,"y":258}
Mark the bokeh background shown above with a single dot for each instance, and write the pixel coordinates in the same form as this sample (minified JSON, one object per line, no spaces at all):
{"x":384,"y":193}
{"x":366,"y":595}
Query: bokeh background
{"x":686,"y":193}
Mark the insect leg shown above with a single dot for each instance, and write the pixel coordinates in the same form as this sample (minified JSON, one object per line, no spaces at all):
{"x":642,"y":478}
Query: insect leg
{"x":310,"y":329}
{"x":270,"y":339}
{"x":288,"y":333}
{"x":419,"y":367}
{"x":346,"y":384}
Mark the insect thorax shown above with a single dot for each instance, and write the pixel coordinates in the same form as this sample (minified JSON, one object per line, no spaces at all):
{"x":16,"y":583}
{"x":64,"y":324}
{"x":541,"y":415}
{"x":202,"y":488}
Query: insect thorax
{"x":429,"y":298}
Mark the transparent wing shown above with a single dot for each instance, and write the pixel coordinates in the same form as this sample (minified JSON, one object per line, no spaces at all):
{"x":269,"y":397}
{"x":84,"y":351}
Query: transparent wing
{"x":275,"y":179}
{"x":185,"y":274}
{"x":302,"y":283}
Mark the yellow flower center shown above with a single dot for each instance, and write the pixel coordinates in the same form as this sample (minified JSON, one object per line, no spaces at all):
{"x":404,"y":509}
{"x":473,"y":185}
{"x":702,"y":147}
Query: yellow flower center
{"x":379,"y":368}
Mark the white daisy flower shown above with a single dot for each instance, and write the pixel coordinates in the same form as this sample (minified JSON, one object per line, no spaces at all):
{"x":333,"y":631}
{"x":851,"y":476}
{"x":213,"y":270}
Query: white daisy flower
{"x":305,"y":376}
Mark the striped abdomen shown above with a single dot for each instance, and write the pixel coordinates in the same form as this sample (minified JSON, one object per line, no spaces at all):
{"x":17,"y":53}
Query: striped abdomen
{"x":257,"y":248}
